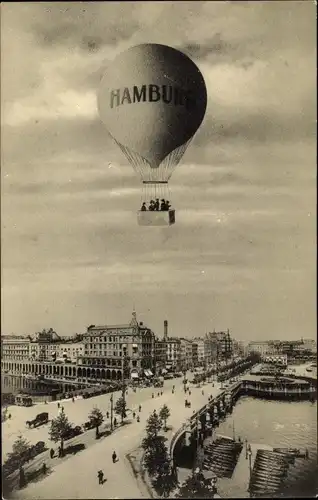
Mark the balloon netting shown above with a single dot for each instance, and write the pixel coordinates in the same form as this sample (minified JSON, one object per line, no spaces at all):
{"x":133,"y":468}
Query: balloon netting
{"x":148,"y":173}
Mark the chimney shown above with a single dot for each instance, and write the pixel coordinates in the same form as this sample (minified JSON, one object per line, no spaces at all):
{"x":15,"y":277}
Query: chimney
{"x":165,"y":329}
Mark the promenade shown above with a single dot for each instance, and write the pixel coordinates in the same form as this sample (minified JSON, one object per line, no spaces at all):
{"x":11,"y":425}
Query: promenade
{"x":76,"y":477}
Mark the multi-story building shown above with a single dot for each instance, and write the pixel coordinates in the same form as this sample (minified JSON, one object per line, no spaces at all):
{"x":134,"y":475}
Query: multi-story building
{"x":173,"y":356}
{"x":43,"y":349}
{"x":160,"y":355}
{"x":119,"y":350}
{"x":309,"y":345}
{"x":195,"y":361}
{"x":262,"y":347}
{"x":201,"y":351}
{"x":69,"y":351}
{"x":185,"y":354}
{"x":15,"y":347}
{"x":224,"y":343}
{"x":198,"y":352}
{"x":219,"y":345}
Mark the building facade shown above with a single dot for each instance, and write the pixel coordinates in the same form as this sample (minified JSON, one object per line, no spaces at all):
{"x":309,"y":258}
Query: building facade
{"x":198,"y":352}
{"x":119,"y":350}
{"x":160,"y":355}
{"x":15,"y":348}
{"x":173,"y":354}
{"x":261,"y":347}
{"x":185,"y":354}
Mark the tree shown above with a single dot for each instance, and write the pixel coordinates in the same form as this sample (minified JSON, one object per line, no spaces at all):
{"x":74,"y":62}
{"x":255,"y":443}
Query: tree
{"x":121,"y":408}
{"x":60,"y":428}
{"x":96,"y":418}
{"x":20,"y":454}
{"x":164,"y":414}
{"x":155,"y":454}
{"x":154,"y":424}
{"x":195,"y":486}
{"x":166,"y":480}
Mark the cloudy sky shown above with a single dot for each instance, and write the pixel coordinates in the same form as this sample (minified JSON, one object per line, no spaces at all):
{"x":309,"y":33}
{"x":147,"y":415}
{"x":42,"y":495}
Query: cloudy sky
{"x":242,"y":252}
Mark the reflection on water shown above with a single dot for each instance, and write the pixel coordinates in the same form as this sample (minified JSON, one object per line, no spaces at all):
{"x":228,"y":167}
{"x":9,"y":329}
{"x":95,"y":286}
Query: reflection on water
{"x":278,"y":424}
{"x":16,"y":384}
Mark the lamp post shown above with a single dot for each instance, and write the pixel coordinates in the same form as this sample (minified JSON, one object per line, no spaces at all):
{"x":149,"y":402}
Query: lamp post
{"x":249,"y":453}
{"x":111,"y":412}
{"x":123,"y":389}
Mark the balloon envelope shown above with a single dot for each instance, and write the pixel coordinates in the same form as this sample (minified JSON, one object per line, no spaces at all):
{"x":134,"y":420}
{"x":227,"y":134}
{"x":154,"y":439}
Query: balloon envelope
{"x":152,"y":99}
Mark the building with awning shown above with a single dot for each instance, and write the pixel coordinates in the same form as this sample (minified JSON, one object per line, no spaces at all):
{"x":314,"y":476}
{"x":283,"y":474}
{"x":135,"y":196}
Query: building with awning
{"x":148,"y":373}
{"x":134,"y":374}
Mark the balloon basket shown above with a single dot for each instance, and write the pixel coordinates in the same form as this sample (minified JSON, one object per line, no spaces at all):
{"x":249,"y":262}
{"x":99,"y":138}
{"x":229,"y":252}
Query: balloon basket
{"x":156,"y":218}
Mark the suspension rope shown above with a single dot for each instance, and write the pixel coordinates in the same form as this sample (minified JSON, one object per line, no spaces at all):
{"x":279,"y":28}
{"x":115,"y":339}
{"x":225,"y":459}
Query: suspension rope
{"x":154,"y":180}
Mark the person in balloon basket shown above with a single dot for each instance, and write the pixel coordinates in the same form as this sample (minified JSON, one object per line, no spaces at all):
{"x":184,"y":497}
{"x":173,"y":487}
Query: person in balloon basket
{"x":165,"y":205}
{"x":157,"y":204}
{"x":152,"y":205}
{"x":143,"y":207}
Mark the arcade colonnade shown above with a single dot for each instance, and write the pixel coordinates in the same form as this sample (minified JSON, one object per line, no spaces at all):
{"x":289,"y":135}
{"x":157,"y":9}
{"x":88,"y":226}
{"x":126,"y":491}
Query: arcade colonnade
{"x":60,"y":371}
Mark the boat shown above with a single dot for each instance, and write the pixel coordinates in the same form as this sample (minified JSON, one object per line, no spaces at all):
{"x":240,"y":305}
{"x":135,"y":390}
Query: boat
{"x":295,"y":452}
{"x":308,"y":369}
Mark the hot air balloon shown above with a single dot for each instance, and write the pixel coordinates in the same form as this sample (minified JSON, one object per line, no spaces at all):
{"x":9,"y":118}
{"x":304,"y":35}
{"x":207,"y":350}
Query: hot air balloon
{"x":152,"y":100}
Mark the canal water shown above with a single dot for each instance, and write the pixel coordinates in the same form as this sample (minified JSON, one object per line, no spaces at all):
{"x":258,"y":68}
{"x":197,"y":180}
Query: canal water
{"x":16,"y":384}
{"x":277,"y":424}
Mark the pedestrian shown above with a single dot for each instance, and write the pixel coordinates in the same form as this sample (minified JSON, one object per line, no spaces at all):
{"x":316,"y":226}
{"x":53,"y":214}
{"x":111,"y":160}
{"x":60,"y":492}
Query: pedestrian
{"x":173,"y":387}
{"x":114,"y":457}
{"x":100,"y":475}
{"x":73,"y":400}
{"x":158,"y":393}
{"x":161,"y":393}
{"x":44,"y":468}
{"x":138,"y":418}
{"x":115,"y":421}
{"x":63,"y":408}
{"x":59,"y":452}
{"x":189,"y":392}
{"x":134,"y":414}
{"x":9,"y":416}
{"x":152,"y":395}
{"x":107,"y":414}
{"x":58,"y":405}
{"x":22,"y":480}
{"x":52,"y":452}
{"x":172,"y":391}
{"x":139,"y":408}
{"x":202,"y":392}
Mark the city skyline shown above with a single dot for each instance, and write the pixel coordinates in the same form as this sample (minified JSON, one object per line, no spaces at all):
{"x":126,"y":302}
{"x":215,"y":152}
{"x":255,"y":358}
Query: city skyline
{"x":242,"y":252}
